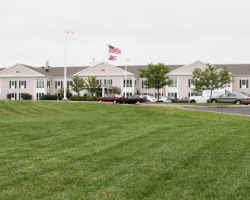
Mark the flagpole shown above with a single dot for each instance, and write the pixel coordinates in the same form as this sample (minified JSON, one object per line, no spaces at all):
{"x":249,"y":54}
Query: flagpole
{"x":108,"y":53}
{"x":65,"y":66}
{"x":125,"y":89}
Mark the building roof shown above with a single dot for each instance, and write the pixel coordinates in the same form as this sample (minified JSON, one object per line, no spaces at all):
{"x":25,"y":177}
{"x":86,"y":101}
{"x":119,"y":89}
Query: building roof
{"x":56,"y":71}
{"x":237,"y":69}
{"x":135,"y":68}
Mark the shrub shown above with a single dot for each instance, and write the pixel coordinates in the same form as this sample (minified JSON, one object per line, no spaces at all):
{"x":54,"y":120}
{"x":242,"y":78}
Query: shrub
{"x":8,"y":96}
{"x":26,"y":96}
{"x":49,"y":97}
{"x":82,"y":98}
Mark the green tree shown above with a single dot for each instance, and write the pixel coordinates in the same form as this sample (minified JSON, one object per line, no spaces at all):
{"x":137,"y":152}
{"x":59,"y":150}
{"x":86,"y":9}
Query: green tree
{"x":156,"y":76}
{"x":92,"y":85}
{"x":116,"y":90}
{"x":77,"y":84}
{"x":211,"y":78}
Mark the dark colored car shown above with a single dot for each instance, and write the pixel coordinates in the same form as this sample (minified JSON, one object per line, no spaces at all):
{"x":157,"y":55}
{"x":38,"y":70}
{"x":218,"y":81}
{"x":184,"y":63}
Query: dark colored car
{"x":133,"y":99}
{"x":111,"y":98}
{"x":232,"y":97}
{"x":182,"y":100}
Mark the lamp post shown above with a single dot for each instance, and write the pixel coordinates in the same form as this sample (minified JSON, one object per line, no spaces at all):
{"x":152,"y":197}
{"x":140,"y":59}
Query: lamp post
{"x":65,"y":67}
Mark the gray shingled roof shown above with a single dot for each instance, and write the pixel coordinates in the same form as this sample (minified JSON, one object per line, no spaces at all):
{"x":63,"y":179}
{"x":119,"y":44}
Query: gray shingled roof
{"x":135,"y":68}
{"x":237,"y":69}
{"x":56,"y":71}
{"x":59,"y":71}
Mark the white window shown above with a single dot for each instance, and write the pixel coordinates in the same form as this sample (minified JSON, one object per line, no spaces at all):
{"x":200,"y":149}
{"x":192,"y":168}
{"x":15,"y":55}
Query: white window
{"x":20,"y":96}
{"x":128,"y":94}
{"x":12,"y":84}
{"x":13,"y":96}
{"x":174,"y":83}
{"x":22,"y":84}
{"x":243,"y":83}
{"x":39,"y":95}
{"x":172,"y":94}
{"x":144,"y":83}
{"x":58,"y":84}
{"x":127,"y":83}
{"x":69,"y":84}
{"x":48,"y":84}
{"x":39,"y":84}
{"x":107,"y":81}
{"x":191,"y":83}
{"x":99,"y":81}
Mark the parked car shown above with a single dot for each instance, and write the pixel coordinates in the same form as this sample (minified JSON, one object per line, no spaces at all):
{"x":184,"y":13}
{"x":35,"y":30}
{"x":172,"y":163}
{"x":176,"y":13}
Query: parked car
{"x":232,"y":97}
{"x":166,"y":99}
{"x":245,"y":93}
{"x":149,"y":98}
{"x":182,"y":100}
{"x":111,"y":98}
{"x":133,"y":99}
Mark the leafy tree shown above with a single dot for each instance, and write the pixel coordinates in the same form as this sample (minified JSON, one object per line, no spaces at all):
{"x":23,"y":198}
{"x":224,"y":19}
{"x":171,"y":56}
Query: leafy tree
{"x":77,"y":84}
{"x":92,"y":85}
{"x":156,"y":76}
{"x":116,"y":90}
{"x":211,"y":78}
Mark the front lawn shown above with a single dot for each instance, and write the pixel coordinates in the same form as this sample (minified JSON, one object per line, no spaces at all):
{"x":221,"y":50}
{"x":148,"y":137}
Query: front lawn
{"x":81,"y":150}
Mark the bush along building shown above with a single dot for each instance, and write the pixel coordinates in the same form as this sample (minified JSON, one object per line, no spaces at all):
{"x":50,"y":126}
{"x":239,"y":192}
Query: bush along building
{"x":19,"y":81}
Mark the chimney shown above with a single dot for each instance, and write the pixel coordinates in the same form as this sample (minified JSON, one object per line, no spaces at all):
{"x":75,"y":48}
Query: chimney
{"x":47,"y":66}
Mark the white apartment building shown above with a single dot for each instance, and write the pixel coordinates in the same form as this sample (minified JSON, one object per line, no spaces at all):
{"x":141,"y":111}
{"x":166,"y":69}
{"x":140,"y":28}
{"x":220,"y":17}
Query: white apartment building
{"x":38,"y":81}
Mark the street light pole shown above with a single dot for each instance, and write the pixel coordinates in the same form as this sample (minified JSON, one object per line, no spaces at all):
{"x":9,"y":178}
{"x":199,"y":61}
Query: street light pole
{"x":65,"y":67}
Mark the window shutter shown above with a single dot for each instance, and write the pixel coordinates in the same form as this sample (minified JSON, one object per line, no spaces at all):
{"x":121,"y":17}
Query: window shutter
{"x":15,"y":84}
{"x":55,"y":84}
{"x":247,"y":83}
{"x":240,"y":83}
{"x":9,"y":84}
{"x":189,"y":83}
{"x":19,"y":84}
{"x":24,"y":84}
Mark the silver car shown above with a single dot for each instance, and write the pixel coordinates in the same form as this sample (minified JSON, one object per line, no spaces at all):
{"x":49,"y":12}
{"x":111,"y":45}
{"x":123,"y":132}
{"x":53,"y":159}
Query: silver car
{"x":232,"y":97}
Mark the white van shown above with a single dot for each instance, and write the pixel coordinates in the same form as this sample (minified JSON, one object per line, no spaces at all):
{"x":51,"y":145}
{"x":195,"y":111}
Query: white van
{"x":203,"y":95}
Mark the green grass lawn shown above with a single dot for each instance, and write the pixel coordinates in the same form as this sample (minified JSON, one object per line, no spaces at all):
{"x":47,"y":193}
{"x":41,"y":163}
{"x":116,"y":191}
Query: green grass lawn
{"x":79,"y":150}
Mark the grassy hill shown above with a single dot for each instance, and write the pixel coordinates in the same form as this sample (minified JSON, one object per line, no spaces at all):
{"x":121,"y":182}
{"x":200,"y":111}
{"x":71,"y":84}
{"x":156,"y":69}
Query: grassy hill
{"x":56,"y":150}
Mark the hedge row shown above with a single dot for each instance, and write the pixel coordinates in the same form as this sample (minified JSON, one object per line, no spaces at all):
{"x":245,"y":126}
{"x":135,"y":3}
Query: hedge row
{"x":72,"y":98}
{"x":82,"y":98}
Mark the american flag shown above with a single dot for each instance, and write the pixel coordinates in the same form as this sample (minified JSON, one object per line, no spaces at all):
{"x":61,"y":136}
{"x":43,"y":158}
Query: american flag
{"x":114,"y":50}
{"x":112,"y":57}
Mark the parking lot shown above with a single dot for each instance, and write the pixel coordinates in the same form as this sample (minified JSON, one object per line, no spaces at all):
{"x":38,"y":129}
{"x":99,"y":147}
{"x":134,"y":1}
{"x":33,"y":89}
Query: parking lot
{"x":238,"y":110}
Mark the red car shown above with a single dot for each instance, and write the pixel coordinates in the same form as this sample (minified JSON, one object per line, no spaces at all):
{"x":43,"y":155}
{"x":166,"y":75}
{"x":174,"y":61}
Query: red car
{"x":134,"y":99}
{"x":111,"y":98}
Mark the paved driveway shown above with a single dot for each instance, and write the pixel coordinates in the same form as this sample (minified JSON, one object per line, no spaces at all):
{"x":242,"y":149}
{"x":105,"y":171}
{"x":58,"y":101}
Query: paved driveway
{"x":239,"y":110}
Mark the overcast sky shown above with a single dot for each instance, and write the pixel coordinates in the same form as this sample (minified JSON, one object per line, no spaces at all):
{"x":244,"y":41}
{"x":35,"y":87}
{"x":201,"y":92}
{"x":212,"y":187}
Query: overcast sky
{"x":146,"y":31}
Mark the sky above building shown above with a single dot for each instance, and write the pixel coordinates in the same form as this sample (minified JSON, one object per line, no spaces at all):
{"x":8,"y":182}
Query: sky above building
{"x":146,"y":31}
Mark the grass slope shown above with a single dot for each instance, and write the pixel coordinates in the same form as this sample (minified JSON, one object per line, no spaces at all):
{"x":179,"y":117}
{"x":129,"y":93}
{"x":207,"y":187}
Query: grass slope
{"x":55,"y":150}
